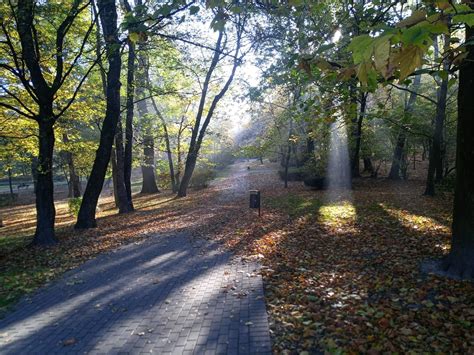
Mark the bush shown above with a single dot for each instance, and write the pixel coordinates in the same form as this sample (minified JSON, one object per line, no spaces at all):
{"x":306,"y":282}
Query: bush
{"x":74,"y":205}
{"x":202,"y":177}
{"x":294,"y":174}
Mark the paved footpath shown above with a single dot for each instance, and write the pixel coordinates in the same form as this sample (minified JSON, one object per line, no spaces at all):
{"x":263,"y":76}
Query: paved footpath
{"x":167,"y":294}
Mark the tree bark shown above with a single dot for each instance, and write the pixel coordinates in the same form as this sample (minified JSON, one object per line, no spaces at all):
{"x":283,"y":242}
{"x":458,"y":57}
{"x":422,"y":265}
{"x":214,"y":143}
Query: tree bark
{"x":355,"y":166}
{"x":124,"y":204}
{"x":113,"y":163}
{"x":74,"y":183}
{"x":10,"y":183}
{"x":149,"y":185}
{"x":460,"y":261}
{"x":402,"y":135}
{"x":199,"y":132}
{"x":435,"y":165}
{"x":45,"y":210}
{"x":169,"y":154}
{"x":368,"y":166}
{"x":129,"y":122}
{"x":108,"y":15}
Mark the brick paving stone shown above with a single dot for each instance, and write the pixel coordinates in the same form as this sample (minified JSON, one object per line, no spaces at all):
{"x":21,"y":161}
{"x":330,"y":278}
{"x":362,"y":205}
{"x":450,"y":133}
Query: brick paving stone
{"x":166,"y":294}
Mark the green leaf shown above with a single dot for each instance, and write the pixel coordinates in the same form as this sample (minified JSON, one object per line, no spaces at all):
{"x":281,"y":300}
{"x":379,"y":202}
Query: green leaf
{"x":361,"y":48}
{"x":468,"y":19}
{"x":194,"y":10}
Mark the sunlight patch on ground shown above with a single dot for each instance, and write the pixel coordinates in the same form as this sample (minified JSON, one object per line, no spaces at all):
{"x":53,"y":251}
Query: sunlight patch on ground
{"x":338,"y":213}
{"x":414,"y":221}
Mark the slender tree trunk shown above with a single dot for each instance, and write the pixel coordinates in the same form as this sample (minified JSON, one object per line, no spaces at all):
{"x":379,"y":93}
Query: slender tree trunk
{"x":402,"y":135}
{"x":435,"y":158}
{"x":435,"y":165}
{"x":74,"y":183}
{"x":148,"y":165}
{"x":199,"y":132}
{"x":45,"y":210}
{"x":397,"y":155}
{"x":355,"y":166}
{"x":368,"y":166}
{"x":169,"y":154}
{"x":288,"y":153}
{"x":460,"y":261}
{"x":113,"y":163}
{"x":108,"y":15}
{"x":10,"y":183}
{"x":129,"y":121}
{"x":124,"y":205}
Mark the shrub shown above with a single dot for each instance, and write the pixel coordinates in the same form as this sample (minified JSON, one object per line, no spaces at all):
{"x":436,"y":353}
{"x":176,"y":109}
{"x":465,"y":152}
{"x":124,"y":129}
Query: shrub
{"x":74,"y":205}
{"x":202,"y":177}
{"x":294,"y":174}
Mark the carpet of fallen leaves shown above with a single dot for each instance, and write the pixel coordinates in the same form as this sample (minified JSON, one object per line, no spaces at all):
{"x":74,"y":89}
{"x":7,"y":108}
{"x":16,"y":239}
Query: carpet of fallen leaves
{"x":341,"y":270}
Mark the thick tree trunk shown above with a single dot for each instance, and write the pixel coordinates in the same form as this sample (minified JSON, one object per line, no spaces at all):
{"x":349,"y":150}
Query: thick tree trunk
{"x":355,"y":166}
{"x":74,"y":183}
{"x":400,"y":145}
{"x":149,"y":185}
{"x":435,"y":165}
{"x":45,"y":210}
{"x":34,"y":172}
{"x":108,"y":15}
{"x":129,"y":121}
{"x":460,"y":261}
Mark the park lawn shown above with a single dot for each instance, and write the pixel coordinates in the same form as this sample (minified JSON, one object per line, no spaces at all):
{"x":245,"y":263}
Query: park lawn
{"x":344,"y":276}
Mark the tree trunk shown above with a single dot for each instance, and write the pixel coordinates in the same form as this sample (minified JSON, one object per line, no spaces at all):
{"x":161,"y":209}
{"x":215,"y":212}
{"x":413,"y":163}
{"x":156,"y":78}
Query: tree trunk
{"x":34,"y":172}
{"x":169,"y":154}
{"x":113,"y":163}
{"x":460,"y":261}
{"x":124,"y":205}
{"x":129,"y":121}
{"x":74,"y":183}
{"x":400,"y":145}
{"x":435,"y":165}
{"x":199,"y":131}
{"x":368,"y":166}
{"x":397,"y":156}
{"x":10,"y":184}
{"x":355,"y":166}
{"x":45,"y":210}
{"x":148,"y":165}
{"x":288,"y":153}
{"x":108,"y":15}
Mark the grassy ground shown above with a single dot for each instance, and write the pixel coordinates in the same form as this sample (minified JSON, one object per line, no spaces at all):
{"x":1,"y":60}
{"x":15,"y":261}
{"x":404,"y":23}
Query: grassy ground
{"x":342,"y":271}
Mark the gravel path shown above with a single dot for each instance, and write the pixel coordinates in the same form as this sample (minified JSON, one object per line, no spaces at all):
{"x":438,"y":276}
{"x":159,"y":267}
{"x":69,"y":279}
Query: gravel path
{"x":167,"y":294}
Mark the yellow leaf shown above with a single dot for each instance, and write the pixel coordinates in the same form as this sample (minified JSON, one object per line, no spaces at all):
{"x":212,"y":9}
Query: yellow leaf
{"x":382,"y":55}
{"x":134,"y":37}
{"x":409,"y":58}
